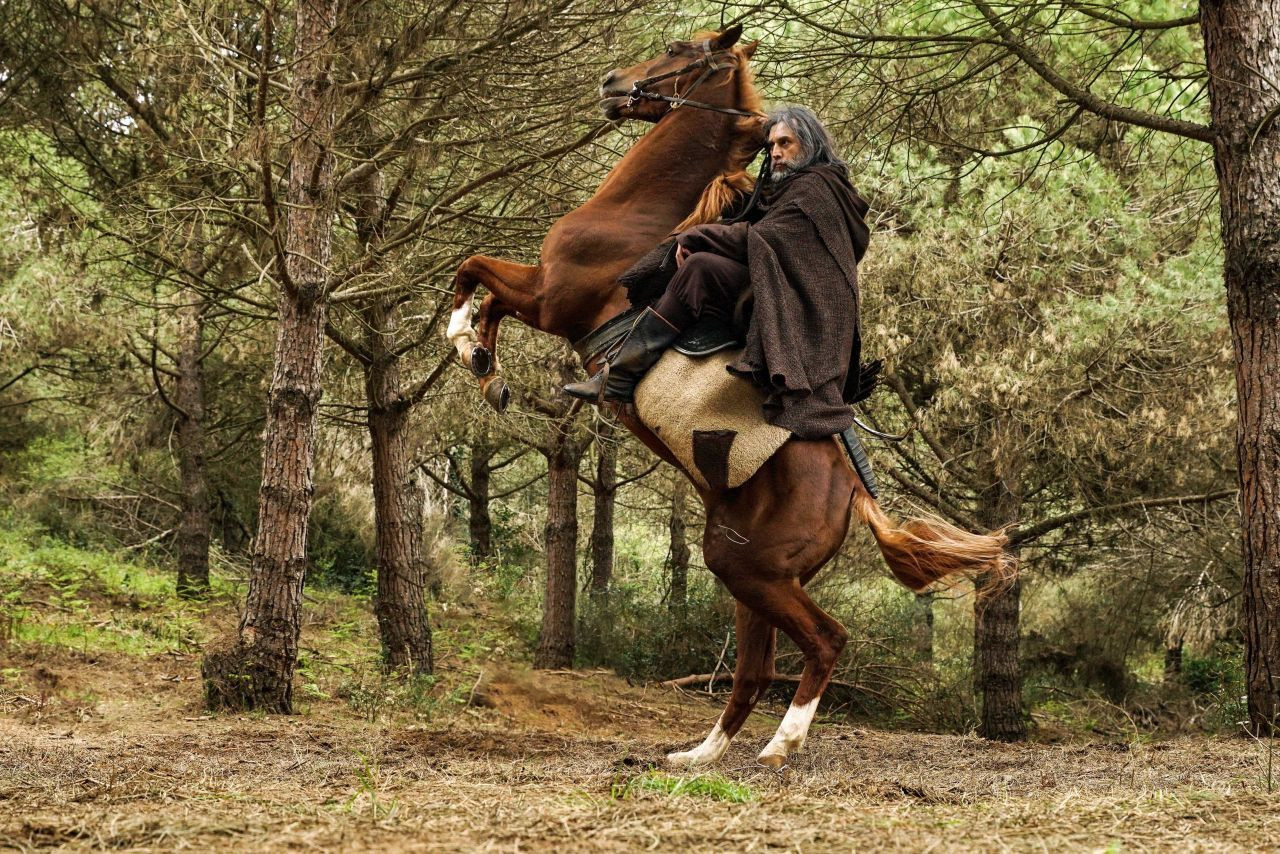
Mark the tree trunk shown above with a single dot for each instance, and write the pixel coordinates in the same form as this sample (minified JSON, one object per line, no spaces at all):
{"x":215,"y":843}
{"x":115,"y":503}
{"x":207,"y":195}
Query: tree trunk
{"x":606,"y":491}
{"x":1172,"y":661}
{"x":257,"y":672}
{"x":234,"y":534}
{"x":556,"y":641}
{"x":924,"y":627}
{"x":479,"y":522}
{"x":997,"y":674}
{"x":398,"y":497}
{"x":1242,"y":51}
{"x":679,"y":561}
{"x":398,"y":500}
{"x":193,"y":527}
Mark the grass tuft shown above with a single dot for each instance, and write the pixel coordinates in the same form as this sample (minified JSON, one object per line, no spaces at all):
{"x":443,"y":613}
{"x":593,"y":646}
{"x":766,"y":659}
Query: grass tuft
{"x":711,"y":786}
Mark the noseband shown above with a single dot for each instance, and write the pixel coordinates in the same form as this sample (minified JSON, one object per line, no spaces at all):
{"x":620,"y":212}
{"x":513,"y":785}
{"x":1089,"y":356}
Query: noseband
{"x":639,"y":89}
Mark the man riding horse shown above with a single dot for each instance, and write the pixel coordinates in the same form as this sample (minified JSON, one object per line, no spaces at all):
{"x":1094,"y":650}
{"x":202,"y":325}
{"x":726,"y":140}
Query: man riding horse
{"x":800,"y":249}
{"x":794,"y":253}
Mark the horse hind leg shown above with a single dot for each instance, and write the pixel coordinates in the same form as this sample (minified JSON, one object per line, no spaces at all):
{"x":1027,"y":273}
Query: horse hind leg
{"x":793,"y":514}
{"x":752,"y":676}
{"x":821,"y":639}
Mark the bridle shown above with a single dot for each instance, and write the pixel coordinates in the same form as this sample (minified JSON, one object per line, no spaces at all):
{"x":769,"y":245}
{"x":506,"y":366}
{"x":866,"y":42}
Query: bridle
{"x":708,"y":63}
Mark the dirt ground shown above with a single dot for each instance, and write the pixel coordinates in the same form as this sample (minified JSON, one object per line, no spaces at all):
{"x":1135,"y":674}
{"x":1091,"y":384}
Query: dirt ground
{"x":116,"y":753}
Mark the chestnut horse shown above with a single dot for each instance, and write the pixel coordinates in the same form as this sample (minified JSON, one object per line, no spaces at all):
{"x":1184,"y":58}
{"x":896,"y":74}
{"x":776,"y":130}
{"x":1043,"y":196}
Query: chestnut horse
{"x":767,"y":538}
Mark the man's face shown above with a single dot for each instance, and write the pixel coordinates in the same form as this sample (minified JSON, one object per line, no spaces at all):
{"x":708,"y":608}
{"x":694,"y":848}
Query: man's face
{"x":785,"y":150}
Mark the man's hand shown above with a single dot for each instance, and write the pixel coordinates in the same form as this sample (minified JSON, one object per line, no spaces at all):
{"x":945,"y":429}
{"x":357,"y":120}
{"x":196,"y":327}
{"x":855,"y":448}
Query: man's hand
{"x":681,"y":254}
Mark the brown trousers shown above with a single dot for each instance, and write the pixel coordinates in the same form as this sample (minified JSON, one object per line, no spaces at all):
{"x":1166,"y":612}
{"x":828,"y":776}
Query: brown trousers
{"x":706,"y":285}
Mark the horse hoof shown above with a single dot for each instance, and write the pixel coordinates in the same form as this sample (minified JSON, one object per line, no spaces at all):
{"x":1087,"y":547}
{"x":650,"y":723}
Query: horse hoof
{"x":772,"y":760}
{"x":498,"y":395}
{"x":481,"y":361}
{"x":683,"y":759}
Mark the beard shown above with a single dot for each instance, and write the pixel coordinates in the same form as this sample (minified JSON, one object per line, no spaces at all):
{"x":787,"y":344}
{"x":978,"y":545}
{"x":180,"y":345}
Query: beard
{"x":784,"y":170}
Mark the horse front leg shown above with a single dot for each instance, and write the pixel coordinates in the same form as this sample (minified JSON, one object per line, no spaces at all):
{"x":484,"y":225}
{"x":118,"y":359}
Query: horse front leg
{"x":512,"y":291}
{"x":484,"y":356}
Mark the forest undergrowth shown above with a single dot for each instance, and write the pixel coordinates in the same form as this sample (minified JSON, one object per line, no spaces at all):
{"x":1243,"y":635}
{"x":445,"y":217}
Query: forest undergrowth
{"x":104,"y":743}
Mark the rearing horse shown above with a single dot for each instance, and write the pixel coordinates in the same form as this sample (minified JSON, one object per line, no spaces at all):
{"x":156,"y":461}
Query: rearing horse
{"x":794,"y":512}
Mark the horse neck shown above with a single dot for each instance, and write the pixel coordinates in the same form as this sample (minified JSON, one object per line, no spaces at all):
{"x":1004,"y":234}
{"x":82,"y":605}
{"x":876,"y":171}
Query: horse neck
{"x":658,"y":183}
{"x":670,"y":166}
{"x":684,"y":152}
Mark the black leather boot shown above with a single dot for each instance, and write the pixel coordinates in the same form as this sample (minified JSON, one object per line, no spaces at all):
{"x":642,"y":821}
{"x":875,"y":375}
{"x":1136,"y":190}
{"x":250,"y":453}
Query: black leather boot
{"x":643,"y":346}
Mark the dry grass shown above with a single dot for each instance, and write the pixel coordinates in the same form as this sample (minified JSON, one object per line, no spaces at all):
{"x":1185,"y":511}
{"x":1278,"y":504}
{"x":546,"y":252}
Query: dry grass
{"x":546,"y":764}
{"x":111,"y":750}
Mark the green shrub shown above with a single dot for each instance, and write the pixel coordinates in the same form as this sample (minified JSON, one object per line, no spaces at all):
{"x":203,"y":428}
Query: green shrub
{"x":1212,"y":674}
{"x":54,"y":594}
{"x":642,"y":638}
{"x":340,"y":549}
{"x":1217,"y":681}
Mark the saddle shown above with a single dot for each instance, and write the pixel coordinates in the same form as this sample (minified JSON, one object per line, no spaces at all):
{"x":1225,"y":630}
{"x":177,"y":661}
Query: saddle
{"x":710,"y":419}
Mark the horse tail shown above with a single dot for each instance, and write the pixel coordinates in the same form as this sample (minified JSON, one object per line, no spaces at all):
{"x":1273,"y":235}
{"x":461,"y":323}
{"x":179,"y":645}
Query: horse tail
{"x":926,"y":549}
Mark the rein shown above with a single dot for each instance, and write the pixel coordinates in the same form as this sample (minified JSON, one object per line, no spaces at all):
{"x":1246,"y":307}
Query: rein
{"x":640,"y":92}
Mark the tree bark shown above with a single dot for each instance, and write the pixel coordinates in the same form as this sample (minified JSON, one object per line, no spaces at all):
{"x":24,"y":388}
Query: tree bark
{"x":924,"y":626}
{"x":194,"y":526}
{"x":605,"y":487}
{"x":563,"y":452}
{"x":257,"y":672}
{"x":679,"y":561}
{"x":398,"y":500}
{"x":479,"y":522}
{"x":1172,"y":661}
{"x":997,"y":673}
{"x":556,"y":642}
{"x":1242,"y":52}
{"x":400,"y":603}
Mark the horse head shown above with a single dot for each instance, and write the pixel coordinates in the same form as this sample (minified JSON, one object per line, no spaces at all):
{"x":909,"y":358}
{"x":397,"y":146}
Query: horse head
{"x":702,"y":63}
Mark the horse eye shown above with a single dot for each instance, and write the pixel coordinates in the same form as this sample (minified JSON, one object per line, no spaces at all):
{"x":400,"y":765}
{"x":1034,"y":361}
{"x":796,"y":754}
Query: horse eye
{"x":671,"y":51}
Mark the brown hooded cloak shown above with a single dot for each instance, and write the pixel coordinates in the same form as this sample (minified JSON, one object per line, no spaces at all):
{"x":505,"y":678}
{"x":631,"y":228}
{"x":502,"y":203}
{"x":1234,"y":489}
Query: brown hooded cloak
{"x":802,"y":249}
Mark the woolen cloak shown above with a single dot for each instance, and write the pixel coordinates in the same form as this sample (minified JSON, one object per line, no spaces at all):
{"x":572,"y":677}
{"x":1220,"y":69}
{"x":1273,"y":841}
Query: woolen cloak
{"x":803,"y":341}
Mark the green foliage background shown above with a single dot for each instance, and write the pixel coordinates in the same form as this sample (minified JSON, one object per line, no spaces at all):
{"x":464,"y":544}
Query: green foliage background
{"x":1052,"y":310}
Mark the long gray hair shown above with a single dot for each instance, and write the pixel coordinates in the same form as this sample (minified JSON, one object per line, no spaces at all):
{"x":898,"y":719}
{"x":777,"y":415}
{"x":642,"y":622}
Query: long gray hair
{"x":818,"y":146}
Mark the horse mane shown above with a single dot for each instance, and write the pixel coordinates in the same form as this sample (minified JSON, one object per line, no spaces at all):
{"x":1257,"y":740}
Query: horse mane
{"x":722,"y":190}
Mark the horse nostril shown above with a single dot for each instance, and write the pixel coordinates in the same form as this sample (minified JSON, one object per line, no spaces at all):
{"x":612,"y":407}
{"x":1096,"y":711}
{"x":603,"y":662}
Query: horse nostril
{"x":609,"y":78}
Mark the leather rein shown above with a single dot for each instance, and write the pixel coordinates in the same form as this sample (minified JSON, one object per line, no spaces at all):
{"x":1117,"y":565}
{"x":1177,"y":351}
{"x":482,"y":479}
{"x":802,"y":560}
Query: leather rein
{"x":639,"y":89}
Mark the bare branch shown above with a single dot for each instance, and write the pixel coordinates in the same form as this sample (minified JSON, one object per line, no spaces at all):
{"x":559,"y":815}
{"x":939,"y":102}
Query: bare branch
{"x":415,"y":393}
{"x":1025,"y":535}
{"x":1086,"y":98}
{"x":1133,"y":23}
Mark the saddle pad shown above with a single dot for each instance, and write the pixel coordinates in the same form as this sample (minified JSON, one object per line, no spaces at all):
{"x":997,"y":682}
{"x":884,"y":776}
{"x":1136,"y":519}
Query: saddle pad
{"x":709,"y":419}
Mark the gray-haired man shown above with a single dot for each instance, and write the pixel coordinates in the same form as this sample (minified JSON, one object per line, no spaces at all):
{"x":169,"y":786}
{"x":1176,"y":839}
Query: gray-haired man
{"x":797,"y":252}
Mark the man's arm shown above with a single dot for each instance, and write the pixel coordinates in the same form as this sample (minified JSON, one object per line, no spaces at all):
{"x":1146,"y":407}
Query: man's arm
{"x":727,"y":240}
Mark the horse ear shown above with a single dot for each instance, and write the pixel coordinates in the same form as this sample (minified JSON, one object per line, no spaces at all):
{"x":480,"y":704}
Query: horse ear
{"x":749,"y":49}
{"x":729,"y":37}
